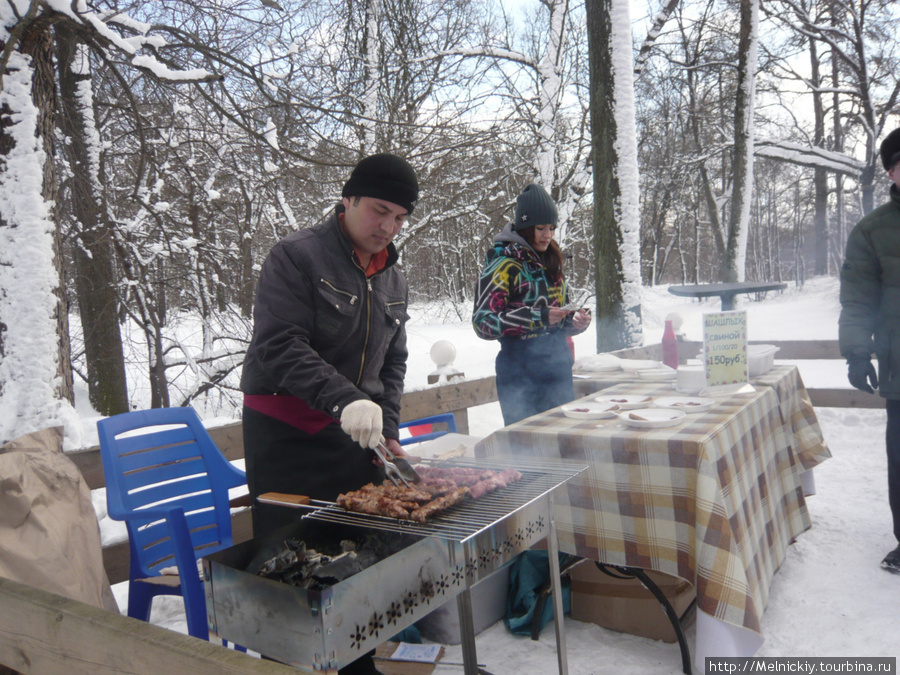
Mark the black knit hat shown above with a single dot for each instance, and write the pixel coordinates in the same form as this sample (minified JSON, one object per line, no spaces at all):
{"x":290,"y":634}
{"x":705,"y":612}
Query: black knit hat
{"x":534,"y":207}
{"x":890,"y":150}
{"x":384,"y":176}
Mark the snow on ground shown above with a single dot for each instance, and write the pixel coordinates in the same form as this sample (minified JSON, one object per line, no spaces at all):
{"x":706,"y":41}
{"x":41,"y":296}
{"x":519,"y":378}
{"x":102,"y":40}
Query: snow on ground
{"x":829,"y":599}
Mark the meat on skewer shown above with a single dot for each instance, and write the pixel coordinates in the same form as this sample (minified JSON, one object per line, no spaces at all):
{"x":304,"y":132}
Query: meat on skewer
{"x":439,"y":504}
{"x":440,"y":489}
{"x":376,"y":506}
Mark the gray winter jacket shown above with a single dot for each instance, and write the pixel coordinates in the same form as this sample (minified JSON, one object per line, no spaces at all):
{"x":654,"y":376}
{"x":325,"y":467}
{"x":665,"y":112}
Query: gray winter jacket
{"x":325,"y":333}
{"x":870,"y":294}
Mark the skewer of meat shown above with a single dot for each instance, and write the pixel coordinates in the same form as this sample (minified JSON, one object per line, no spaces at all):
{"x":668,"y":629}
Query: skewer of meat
{"x":402,"y":493}
{"x":511,"y":475}
{"x":460,"y":475}
{"x":439,"y":504}
{"x":377,"y":506}
{"x":437,"y":487}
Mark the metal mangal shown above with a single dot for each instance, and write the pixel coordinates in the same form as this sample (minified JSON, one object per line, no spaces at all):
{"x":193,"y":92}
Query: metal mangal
{"x":324,"y":630}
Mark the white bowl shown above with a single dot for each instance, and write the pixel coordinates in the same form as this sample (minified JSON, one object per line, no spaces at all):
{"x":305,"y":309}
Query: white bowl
{"x":690,"y":379}
{"x":760,"y":359}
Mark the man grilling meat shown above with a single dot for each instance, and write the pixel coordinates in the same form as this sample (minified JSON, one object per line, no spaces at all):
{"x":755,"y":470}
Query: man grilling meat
{"x":324,"y":372}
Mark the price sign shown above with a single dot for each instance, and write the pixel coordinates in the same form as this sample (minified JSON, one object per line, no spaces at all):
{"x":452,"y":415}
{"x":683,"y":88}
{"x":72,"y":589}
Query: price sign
{"x":725,"y":348}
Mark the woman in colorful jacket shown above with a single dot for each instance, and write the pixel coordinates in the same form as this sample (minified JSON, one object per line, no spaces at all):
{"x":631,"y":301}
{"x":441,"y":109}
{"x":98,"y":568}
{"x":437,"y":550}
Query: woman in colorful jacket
{"x":519,"y":301}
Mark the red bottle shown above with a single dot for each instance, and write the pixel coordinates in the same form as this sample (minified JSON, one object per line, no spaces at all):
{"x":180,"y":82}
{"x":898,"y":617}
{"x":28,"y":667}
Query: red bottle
{"x":670,"y":346}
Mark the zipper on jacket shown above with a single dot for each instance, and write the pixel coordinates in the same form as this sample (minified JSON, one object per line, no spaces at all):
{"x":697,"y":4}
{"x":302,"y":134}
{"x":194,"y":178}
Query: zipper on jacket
{"x":352,"y":298}
{"x":362,"y":361}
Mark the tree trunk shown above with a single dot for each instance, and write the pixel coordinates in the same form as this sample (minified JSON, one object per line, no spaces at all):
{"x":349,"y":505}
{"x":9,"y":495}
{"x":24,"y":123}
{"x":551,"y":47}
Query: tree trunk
{"x":247,"y":286}
{"x":37,"y":42}
{"x":372,"y":77}
{"x":838,"y":133}
{"x":35,"y":367}
{"x":733,"y":266}
{"x":95,"y":280}
{"x":615,"y":223}
{"x":820,"y":175}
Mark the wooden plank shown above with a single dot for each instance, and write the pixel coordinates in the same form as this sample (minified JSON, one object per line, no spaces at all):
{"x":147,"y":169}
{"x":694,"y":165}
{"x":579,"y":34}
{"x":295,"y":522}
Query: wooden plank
{"x":89,"y":463}
{"x":844,"y":398}
{"x":229,"y":438}
{"x":788,"y":350}
{"x":804,"y":350}
{"x":448,"y":398}
{"x":241,"y":526}
{"x":47,"y":634}
{"x":115,"y":561}
{"x":116,"y":557}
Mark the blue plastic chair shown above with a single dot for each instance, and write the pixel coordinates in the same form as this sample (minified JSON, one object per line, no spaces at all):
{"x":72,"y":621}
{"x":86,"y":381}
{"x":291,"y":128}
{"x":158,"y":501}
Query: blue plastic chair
{"x":445,"y":418}
{"x":168,"y":481}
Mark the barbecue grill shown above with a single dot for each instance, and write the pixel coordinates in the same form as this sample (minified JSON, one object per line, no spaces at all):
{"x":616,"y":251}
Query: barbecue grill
{"x":323,"y":630}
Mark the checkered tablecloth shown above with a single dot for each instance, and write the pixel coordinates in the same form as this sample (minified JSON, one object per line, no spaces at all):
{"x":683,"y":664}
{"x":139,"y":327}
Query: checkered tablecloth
{"x":715,"y":500}
{"x":796,"y":408}
{"x":798,"y":413}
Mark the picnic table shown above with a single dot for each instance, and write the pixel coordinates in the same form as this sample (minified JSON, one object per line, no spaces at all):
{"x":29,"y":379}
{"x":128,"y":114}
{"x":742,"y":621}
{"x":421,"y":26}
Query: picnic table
{"x":715,"y":500}
{"x":726,"y":291}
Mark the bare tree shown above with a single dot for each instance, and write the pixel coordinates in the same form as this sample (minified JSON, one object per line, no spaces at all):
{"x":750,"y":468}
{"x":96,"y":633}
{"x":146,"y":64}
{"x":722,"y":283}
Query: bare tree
{"x":35,"y":372}
{"x":615,"y":177}
{"x":733,"y":264}
{"x":859,"y":37}
{"x":90,"y":236}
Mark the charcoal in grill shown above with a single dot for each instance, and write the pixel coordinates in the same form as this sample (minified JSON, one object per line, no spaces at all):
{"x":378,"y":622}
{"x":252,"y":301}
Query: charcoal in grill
{"x":297,"y":563}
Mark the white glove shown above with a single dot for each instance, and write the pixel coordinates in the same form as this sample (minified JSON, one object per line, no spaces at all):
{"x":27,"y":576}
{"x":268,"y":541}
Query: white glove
{"x":362,"y":420}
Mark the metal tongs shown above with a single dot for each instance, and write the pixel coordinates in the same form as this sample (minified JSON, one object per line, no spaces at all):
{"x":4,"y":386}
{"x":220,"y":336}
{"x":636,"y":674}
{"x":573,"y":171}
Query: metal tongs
{"x":396,"y":467}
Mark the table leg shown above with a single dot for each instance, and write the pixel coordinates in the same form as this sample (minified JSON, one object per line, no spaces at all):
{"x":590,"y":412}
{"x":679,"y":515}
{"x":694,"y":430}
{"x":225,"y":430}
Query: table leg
{"x":556,"y":586}
{"x":674,"y":619}
{"x":467,"y":628}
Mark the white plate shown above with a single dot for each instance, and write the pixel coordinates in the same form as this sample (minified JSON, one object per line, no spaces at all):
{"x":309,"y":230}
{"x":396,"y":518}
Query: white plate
{"x":652,"y":418}
{"x":658,"y":374}
{"x":590,"y":410}
{"x":634,"y":365}
{"x":689,"y":404}
{"x":597,"y":368}
{"x":626,"y":401}
{"x":599,"y":363}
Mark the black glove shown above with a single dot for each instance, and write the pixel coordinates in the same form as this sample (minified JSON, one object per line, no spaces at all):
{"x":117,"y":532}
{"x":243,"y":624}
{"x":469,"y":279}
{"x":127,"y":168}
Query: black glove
{"x":861,"y":374}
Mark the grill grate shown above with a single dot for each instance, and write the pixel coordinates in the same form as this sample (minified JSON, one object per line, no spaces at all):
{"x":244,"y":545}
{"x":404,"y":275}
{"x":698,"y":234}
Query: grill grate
{"x":469,"y":519}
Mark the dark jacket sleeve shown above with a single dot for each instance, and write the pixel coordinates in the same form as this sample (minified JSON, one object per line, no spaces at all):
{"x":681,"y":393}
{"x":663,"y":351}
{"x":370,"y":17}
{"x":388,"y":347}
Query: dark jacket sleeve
{"x":860,"y":296}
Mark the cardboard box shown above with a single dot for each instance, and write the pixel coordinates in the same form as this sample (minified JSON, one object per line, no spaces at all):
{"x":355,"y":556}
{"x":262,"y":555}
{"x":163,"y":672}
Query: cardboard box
{"x":624,"y":605}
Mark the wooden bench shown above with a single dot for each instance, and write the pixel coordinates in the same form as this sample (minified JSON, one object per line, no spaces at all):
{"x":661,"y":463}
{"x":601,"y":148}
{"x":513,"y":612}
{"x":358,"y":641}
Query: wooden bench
{"x":458,"y":398}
